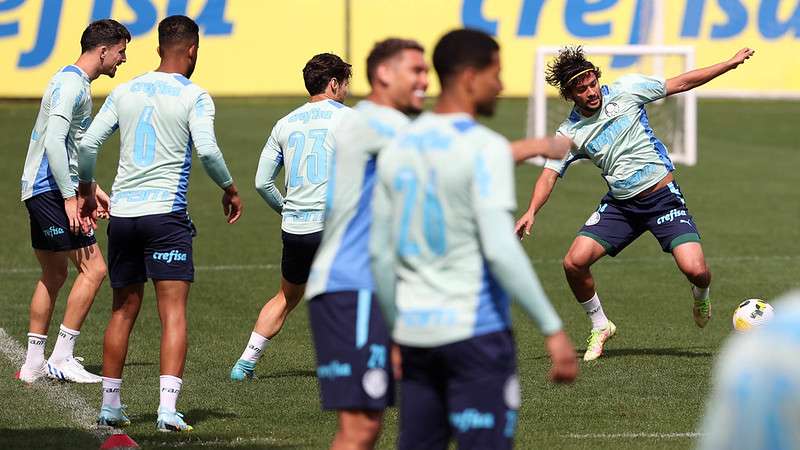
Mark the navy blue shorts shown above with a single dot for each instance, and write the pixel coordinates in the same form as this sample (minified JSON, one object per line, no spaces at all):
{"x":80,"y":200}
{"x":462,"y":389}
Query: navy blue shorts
{"x":617,"y":223}
{"x":298,"y":255}
{"x":352,"y":345}
{"x":50,"y":226}
{"x":157,"y":246}
{"x":467,"y":390}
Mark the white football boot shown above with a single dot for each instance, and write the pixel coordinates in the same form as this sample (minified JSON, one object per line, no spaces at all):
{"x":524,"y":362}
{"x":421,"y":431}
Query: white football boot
{"x":71,"y":369}
{"x":31,"y":374}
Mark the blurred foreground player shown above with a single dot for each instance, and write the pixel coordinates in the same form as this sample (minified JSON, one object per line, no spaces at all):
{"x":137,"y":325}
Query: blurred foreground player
{"x":443,"y":259}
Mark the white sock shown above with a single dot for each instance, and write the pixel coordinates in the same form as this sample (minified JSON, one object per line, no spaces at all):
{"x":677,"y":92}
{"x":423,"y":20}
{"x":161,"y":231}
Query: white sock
{"x":255,"y":347}
{"x":111,"y":388}
{"x":700,"y":293}
{"x":65,"y":344}
{"x":170,"y":388}
{"x":35,"y":355}
{"x":595,"y":312}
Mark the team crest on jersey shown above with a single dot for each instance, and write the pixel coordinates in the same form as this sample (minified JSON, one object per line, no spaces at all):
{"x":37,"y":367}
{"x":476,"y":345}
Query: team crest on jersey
{"x":612,"y":109}
{"x":375,"y":382}
{"x":593,"y":219}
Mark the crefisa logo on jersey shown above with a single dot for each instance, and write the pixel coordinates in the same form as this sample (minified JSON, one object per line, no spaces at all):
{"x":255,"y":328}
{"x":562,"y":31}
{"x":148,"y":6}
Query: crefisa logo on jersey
{"x":611,"y":109}
{"x":168,"y":257}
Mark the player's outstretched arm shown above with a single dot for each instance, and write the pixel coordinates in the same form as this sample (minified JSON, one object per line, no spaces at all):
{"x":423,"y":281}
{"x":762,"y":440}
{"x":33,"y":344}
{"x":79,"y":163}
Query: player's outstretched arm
{"x":551,"y":147}
{"x":541,"y":192}
{"x":699,"y":77}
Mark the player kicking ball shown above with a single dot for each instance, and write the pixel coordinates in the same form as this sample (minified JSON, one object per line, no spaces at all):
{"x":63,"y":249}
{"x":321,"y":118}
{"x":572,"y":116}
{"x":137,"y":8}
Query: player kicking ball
{"x":609,"y":126}
{"x":159,"y":115}
{"x":444,"y":261}
{"x":303,"y":142}
{"x":49,"y":183}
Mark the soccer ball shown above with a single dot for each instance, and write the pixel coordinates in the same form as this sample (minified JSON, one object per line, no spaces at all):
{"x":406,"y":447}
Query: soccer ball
{"x":752,"y":313}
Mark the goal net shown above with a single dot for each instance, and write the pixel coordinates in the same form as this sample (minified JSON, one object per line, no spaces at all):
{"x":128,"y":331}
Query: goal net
{"x":673,"y":119}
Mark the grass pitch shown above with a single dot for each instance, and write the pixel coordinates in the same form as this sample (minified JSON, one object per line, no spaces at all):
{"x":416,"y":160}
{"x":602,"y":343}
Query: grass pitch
{"x":648,"y":391}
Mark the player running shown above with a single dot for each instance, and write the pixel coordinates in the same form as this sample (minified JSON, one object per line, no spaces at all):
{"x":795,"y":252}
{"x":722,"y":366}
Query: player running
{"x":303,"y":141}
{"x":443,"y":261}
{"x":609,"y":126}
{"x":159,"y":114}
{"x":49,"y":183}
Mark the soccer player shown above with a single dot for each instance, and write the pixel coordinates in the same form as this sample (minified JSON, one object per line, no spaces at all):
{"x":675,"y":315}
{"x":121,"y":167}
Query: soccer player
{"x":755,"y":403}
{"x":352,"y":365}
{"x":49,"y":183}
{"x":303,"y":141}
{"x":443,"y":260}
{"x":609,"y":126}
{"x":159,"y":114}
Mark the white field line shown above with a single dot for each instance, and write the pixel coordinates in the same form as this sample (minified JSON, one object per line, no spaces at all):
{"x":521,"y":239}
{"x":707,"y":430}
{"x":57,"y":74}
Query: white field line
{"x":632,"y":435}
{"x":619,"y":260}
{"x":60,"y":395}
{"x":214,"y":443}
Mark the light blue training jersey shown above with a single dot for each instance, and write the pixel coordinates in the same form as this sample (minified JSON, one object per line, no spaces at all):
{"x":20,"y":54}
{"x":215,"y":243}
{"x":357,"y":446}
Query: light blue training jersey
{"x":618,"y":138}
{"x":303,"y":142}
{"x":160,"y":117}
{"x":342,"y":260}
{"x":435,"y":182}
{"x":755,"y":403}
{"x":68,"y":96}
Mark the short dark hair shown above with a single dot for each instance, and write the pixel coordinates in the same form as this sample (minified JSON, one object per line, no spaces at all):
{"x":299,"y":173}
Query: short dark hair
{"x":388,"y":49}
{"x":568,"y":68}
{"x":321,"y":68}
{"x":103,"y":32}
{"x":175,"y":30}
{"x":461,"y":49}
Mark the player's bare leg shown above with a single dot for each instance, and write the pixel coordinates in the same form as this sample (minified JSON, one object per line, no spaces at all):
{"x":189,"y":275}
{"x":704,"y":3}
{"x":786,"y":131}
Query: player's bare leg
{"x":584,"y":252}
{"x":691,"y":261}
{"x":273,"y":314}
{"x":269,"y":323}
{"x":124,"y":310}
{"x":54,"y":274}
{"x":91,"y":272}
{"x":357,"y":430}
{"x":172,"y":297}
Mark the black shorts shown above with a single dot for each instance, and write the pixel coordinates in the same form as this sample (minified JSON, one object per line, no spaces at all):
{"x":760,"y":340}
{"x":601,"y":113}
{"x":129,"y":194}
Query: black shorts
{"x":157,"y":246}
{"x":617,"y":223}
{"x":298,"y":254}
{"x":467,"y":391}
{"x":352,"y":346}
{"x":50,"y":226}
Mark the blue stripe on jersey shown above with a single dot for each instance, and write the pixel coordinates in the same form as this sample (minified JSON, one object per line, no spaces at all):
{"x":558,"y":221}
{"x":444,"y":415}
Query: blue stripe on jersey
{"x":657,"y":144}
{"x":350,"y":267}
{"x":44,"y":181}
{"x":362,"y":317}
{"x":570,"y":161}
{"x":574,"y":116}
{"x":180,"y":202}
{"x":72,"y":69}
{"x":182,"y":79}
{"x":336,"y":104}
{"x":493,"y":306}
{"x":331,"y":184}
{"x":604,"y":89}
{"x":464,"y":125}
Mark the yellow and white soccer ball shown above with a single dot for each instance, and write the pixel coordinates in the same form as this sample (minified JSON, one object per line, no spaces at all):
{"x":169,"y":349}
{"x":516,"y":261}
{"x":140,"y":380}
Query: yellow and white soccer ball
{"x":752,"y":313}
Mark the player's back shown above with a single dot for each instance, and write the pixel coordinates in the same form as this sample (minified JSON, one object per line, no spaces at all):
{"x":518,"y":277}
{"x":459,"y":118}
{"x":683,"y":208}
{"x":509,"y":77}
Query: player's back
{"x":303,"y":139}
{"x":342,"y":261}
{"x":437,"y":175}
{"x":155,"y":113}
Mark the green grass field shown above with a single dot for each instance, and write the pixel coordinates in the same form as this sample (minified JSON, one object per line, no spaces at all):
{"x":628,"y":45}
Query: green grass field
{"x":648,"y":391}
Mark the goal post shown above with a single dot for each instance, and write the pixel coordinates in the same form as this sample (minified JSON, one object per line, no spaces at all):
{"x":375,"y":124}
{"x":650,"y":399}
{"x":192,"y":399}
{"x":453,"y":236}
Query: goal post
{"x":675,"y":117}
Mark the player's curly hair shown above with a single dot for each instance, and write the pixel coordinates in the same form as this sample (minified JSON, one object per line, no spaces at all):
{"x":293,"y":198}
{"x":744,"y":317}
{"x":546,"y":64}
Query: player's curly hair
{"x":566,"y":70}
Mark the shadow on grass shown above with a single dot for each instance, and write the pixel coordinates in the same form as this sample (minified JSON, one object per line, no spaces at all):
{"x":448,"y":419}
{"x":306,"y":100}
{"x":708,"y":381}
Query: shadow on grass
{"x":192,"y":416}
{"x":670,"y":351}
{"x":48,"y":438}
{"x":289,"y":374}
{"x":98,"y":368}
